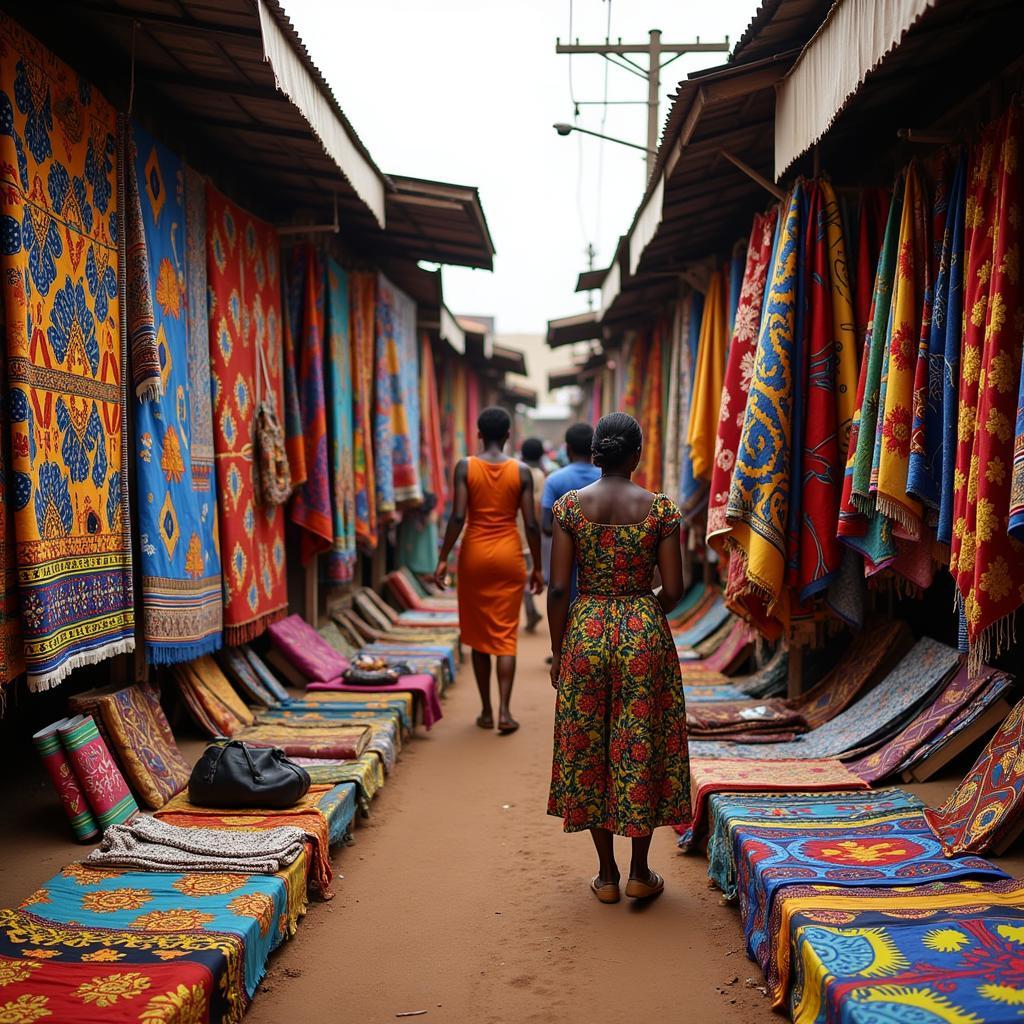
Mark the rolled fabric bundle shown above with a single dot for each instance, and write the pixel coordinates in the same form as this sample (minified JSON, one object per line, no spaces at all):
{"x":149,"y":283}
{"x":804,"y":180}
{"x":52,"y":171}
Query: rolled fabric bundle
{"x":98,"y":776}
{"x":57,"y":766}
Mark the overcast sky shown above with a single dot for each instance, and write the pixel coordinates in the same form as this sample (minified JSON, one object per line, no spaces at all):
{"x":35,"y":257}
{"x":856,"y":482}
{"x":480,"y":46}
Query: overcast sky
{"x":467,"y":90}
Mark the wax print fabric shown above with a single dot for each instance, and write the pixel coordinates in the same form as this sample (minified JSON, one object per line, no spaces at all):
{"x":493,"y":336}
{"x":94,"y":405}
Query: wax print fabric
{"x":739,"y":368}
{"x":958,"y":965}
{"x":758,"y":503}
{"x":66,"y":364}
{"x":62,"y":777}
{"x":988,"y":563}
{"x":182,"y":598}
{"x":98,"y":777}
{"x":989,"y":801}
{"x":920,"y":673}
{"x":339,"y":565}
{"x":728,"y":812}
{"x":648,"y":472}
{"x":261,"y":910}
{"x":310,"y":507}
{"x":957,"y":693}
{"x":709,"y":375}
{"x":396,"y":410}
{"x":245,"y":315}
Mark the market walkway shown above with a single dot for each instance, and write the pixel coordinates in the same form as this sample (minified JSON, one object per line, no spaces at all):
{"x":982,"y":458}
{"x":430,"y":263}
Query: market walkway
{"x":462,"y":898}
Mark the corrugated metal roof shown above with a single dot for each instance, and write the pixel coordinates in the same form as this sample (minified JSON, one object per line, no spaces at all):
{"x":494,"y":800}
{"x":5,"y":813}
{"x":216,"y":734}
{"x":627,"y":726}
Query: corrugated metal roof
{"x":778,"y":25}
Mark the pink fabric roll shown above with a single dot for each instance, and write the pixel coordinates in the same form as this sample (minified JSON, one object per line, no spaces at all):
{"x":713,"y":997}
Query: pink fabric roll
{"x":422,"y":683}
{"x":306,"y":649}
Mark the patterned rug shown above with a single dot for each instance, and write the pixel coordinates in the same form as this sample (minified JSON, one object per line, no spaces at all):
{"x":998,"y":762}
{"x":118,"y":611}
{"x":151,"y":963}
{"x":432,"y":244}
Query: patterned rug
{"x":738,"y":719}
{"x":878,"y":712}
{"x":713,"y":619}
{"x":990,"y":799}
{"x":729,"y":811}
{"x":869,"y":908}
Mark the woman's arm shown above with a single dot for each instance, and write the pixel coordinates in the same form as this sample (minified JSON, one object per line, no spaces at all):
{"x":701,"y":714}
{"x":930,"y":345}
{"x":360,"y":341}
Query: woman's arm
{"x":563,"y":555}
{"x":528,"y":505}
{"x":456,"y":521}
{"x":670,"y":568}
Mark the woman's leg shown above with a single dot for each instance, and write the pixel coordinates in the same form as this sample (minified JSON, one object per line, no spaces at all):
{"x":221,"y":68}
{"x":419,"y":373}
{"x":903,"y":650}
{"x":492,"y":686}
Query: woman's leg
{"x":482,"y":671}
{"x":607,"y":870}
{"x":638,"y":867}
{"x":506,"y":677}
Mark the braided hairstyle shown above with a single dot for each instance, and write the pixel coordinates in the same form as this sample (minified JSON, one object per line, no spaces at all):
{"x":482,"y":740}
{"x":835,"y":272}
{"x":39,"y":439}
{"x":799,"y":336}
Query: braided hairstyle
{"x":617,"y":439}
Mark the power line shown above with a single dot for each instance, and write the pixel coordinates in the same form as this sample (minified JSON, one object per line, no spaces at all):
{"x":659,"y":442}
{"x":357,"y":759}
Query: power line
{"x":600,"y":154}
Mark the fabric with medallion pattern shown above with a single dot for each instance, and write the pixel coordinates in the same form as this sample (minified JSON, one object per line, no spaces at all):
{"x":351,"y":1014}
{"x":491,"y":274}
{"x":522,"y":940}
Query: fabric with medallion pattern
{"x":989,"y":564}
{"x":262,"y":910}
{"x":989,"y":801}
{"x":758,"y":505}
{"x":961,"y":965}
{"x":310,"y":507}
{"x":12,"y":658}
{"x":66,"y":364}
{"x":620,"y":758}
{"x":182,"y":596}
{"x":363,"y":302}
{"x":245,"y":312}
{"x":738,"y":372}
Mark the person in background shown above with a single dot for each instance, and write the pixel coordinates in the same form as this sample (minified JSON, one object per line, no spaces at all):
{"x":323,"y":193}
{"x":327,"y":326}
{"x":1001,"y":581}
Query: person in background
{"x":580,"y":472}
{"x":490,"y":491}
{"x":531,"y":454}
{"x":620,"y":764}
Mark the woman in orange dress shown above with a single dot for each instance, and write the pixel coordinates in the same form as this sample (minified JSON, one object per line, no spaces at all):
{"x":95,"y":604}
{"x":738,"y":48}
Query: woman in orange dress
{"x":490,"y":491}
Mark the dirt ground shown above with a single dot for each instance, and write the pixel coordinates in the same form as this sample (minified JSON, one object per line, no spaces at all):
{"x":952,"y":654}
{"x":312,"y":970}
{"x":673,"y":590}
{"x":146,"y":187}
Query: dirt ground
{"x":461,"y":898}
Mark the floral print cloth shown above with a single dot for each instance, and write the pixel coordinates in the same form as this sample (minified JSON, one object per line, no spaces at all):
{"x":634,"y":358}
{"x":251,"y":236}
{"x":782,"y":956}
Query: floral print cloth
{"x":620,"y":759}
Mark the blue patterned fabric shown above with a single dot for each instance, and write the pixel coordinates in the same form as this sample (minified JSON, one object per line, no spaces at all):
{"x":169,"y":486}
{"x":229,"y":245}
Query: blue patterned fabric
{"x":714,"y":618}
{"x":690,"y":488}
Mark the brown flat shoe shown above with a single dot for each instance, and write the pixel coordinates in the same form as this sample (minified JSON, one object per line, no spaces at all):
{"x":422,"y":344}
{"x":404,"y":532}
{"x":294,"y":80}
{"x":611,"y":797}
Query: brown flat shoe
{"x":637,"y":890}
{"x":508,"y":727}
{"x":484,"y":722}
{"x":606,"y":892}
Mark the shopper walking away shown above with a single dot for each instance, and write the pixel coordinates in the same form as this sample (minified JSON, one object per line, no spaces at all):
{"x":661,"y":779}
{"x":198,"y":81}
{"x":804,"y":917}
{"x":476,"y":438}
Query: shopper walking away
{"x":620,"y":756}
{"x":490,"y":491}
{"x":531,"y":454}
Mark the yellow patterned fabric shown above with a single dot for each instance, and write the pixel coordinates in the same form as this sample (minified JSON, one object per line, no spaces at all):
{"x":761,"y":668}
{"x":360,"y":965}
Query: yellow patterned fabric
{"x":709,"y":378}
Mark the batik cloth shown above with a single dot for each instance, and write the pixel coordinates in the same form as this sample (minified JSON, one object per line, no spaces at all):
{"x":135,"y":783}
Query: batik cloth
{"x":310,"y":508}
{"x":887,"y":848}
{"x":738,"y":372}
{"x":98,"y":777}
{"x":988,"y":563}
{"x":339,"y":565}
{"x":62,"y":777}
{"x":920,"y":673}
{"x":728,"y":812}
{"x":702,"y":429}
{"x":182,"y":598}
{"x":261,"y":910}
{"x":938,"y":359}
{"x":896,"y":384}
{"x":722,"y":775}
{"x":957,"y":693}
{"x":635,"y":363}
{"x":401,"y":703}
{"x":366,"y":774}
{"x":961,"y":965}
{"x":758,"y":503}
{"x":990,"y":799}
{"x":396,"y":428}
{"x":64,"y":972}
{"x":12,"y":658}
{"x":421,"y":685}
{"x":245,"y":314}
{"x":648,"y":472}
{"x":66,"y":364}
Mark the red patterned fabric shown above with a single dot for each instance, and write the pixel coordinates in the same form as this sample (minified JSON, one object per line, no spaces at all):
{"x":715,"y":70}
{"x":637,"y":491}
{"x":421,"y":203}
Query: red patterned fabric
{"x":648,"y":473}
{"x":363,"y":314}
{"x":245,"y":311}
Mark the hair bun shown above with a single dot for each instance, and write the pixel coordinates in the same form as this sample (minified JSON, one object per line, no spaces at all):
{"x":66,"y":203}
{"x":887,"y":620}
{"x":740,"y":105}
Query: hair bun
{"x":609,"y":449}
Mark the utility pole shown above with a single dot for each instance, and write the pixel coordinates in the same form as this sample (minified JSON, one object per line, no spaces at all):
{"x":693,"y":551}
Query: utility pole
{"x":654,"y":48}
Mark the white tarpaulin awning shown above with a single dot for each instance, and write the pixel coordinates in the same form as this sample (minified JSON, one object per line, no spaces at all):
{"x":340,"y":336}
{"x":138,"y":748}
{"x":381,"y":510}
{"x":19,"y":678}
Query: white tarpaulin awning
{"x":853,"y":39}
{"x":646,"y":224}
{"x":611,"y":287}
{"x":295,"y":81}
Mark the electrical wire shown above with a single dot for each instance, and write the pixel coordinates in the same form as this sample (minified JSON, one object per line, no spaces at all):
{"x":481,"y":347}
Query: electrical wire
{"x":604,"y":118}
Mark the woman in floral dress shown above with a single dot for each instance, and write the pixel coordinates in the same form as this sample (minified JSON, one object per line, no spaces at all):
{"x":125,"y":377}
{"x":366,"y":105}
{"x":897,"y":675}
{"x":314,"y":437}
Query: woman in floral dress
{"x":620,"y":757}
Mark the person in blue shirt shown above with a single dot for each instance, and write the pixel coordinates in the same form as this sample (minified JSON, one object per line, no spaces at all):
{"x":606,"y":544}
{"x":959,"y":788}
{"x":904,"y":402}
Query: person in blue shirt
{"x":579,"y":473}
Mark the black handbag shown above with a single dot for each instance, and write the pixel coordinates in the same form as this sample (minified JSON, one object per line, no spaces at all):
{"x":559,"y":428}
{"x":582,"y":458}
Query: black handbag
{"x":232,"y":774}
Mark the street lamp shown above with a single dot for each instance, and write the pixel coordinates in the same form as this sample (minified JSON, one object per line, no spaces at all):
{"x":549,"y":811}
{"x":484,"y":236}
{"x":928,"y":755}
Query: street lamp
{"x":565,"y":129}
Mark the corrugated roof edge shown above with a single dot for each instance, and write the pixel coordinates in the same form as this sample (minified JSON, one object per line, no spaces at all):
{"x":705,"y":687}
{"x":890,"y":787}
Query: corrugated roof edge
{"x":764,"y":13}
{"x":398,"y":178}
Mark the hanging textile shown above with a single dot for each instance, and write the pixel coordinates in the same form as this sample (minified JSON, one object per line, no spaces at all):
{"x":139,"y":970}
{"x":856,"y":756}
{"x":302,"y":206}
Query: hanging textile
{"x":60,"y":210}
{"x":294,"y":436}
{"x":396,"y":415}
{"x":461,"y":416}
{"x":340,"y":563}
{"x":472,"y":413}
{"x":738,"y":371}
{"x":692,"y":492}
{"x":635,"y":361}
{"x":933,"y":442}
{"x":759,"y":492}
{"x":363,"y":303}
{"x":432,"y":465}
{"x":310,"y":507}
{"x":708,"y":377}
{"x":737,"y":268}
{"x":243,"y":271}
{"x":182,"y":597}
{"x":989,"y":565}
{"x":12,"y":660}
{"x":871,"y":220}
{"x":648,"y":472}
{"x":670,"y":462}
